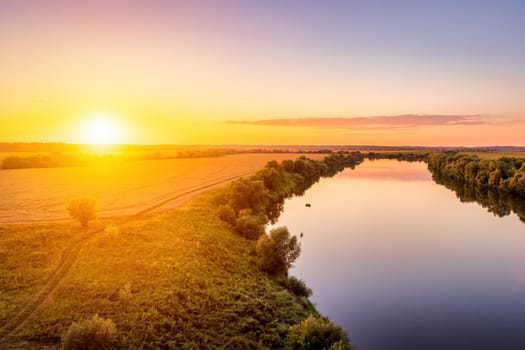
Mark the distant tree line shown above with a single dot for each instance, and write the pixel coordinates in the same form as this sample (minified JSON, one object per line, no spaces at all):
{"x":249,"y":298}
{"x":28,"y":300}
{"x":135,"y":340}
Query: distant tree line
{"x":42,"y":161}
{"x":401,"y":156}
{"x":57,"y":160}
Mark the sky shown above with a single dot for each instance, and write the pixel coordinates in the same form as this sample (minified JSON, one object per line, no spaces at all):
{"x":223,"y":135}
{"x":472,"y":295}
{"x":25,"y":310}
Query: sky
{"x":390,"y":72}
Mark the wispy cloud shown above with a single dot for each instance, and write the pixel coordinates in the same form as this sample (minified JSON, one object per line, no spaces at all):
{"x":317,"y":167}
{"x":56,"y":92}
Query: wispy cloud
{"x":374,"y":123}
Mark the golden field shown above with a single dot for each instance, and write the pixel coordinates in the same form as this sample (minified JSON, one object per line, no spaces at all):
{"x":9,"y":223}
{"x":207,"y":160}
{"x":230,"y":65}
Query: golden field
{"x":124,"y":188}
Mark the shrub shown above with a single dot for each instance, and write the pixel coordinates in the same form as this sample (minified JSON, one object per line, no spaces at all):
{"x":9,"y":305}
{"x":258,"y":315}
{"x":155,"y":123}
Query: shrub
{"x":227,"y":214}
{"x":91,"y":334}
{"x":83,"y":209}
{"x":277,"y":251}
{"x":298,"y":287}
{"x":316,"y":334}
{"x":250,"y":226}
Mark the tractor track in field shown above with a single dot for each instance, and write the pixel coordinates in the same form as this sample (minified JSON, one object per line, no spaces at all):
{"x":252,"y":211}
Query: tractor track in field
{"x":23,"y":312}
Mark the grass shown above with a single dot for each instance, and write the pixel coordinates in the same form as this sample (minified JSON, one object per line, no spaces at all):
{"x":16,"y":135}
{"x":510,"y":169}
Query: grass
{"x":180,"y":280}
{"x":28,"y":254}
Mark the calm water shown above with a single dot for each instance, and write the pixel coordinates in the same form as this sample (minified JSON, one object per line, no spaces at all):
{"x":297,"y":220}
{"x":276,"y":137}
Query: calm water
{"x":401,"y":263}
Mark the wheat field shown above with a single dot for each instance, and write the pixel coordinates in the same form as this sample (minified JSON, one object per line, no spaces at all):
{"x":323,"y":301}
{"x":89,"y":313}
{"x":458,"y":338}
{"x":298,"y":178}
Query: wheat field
{"x":32,"y":195}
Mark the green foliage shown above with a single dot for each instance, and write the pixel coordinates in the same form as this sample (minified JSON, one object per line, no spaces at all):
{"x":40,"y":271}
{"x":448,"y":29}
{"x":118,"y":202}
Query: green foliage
{"x":401,"y":156}
{"x":250,"y":226}
{"x":503,"y":174}
{"x":317,"y":334}
{"x":91,"y":334}
{"x":247,"y":194}
{"x":83,"y":209}
{"x":497,"y":184}
{"x":277,"y":251}
{"x":298,"y":287}
{"x":227,"y":214}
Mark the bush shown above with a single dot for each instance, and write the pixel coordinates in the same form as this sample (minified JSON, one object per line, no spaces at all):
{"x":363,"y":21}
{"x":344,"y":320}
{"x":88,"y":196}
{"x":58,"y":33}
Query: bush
{"x":94,"y":333}
{"x":227,"y":214}
{"x":298,"y":287}
{"x":316,"y":334}
{"x":277,"y":251}
{"x":250,"y":226}
{"x":83,"y":209}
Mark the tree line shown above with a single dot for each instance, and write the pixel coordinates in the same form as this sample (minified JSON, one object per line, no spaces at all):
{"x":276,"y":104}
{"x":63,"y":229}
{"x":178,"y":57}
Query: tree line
{"x":505,"y":175}
{"x":401,"y":156}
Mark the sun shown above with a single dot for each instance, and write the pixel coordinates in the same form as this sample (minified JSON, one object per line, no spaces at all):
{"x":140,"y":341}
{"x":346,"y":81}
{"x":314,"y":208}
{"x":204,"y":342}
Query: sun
{"x":101,"y":129}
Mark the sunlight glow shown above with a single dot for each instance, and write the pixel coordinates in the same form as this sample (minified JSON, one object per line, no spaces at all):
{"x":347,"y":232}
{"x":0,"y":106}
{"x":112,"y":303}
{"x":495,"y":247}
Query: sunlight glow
{"x":101,"y":129}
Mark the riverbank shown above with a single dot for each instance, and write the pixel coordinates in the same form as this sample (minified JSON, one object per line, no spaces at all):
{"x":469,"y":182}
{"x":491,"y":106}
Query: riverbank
{"x":183,"y":278}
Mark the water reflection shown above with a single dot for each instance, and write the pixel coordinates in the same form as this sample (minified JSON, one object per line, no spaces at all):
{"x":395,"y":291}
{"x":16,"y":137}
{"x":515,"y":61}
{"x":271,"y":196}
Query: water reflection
{"x":498,"y":203}
{"x":402,"y":264}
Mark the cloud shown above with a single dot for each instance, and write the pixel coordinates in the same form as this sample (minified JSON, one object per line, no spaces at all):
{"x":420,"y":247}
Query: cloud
{"x":371,"y":123}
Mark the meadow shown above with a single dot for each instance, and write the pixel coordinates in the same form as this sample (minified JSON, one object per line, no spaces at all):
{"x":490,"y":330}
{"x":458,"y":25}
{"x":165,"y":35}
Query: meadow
{"x":126,"y":188}
{"x":178,"y":279}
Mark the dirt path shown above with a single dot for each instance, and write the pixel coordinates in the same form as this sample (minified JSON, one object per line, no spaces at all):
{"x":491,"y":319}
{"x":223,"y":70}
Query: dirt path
{"x":70,"y":254}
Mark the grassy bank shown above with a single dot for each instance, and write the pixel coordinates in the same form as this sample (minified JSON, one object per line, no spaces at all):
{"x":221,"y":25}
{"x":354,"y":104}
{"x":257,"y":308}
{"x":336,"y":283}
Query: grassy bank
{"x":181,"y":279}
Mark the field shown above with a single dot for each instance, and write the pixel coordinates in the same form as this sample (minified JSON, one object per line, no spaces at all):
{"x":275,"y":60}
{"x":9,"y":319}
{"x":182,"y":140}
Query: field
{"x":180,"y":275}
{"x":32,"y":195}
{"x":497,"y":154}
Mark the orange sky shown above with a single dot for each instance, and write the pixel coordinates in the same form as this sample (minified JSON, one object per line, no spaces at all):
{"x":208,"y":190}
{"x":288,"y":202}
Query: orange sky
{"x":210,"y":74}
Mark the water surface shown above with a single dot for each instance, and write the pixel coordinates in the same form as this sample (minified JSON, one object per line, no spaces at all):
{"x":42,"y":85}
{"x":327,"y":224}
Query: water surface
{"x":401,"y":263}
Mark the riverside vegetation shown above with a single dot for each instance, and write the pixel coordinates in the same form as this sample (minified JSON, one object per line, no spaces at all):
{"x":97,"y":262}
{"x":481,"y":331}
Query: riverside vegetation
{"x":496,"y":184}
{"x":496,"y":181}
{"x":185,"y":279}
{"x":505,"y":174}
{"x":181,"y":279}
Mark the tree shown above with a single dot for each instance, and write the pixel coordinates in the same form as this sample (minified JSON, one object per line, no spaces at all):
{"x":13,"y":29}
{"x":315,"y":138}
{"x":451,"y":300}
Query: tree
{"x":247,"y":194}
{"x":298,"y":287}
{"x":317,"y":334}
{"x":83,"y":209}
{"x":277,"y":251}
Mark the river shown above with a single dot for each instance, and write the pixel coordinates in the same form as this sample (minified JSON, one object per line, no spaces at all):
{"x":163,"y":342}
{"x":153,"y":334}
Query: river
{"x":401,"y":263}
